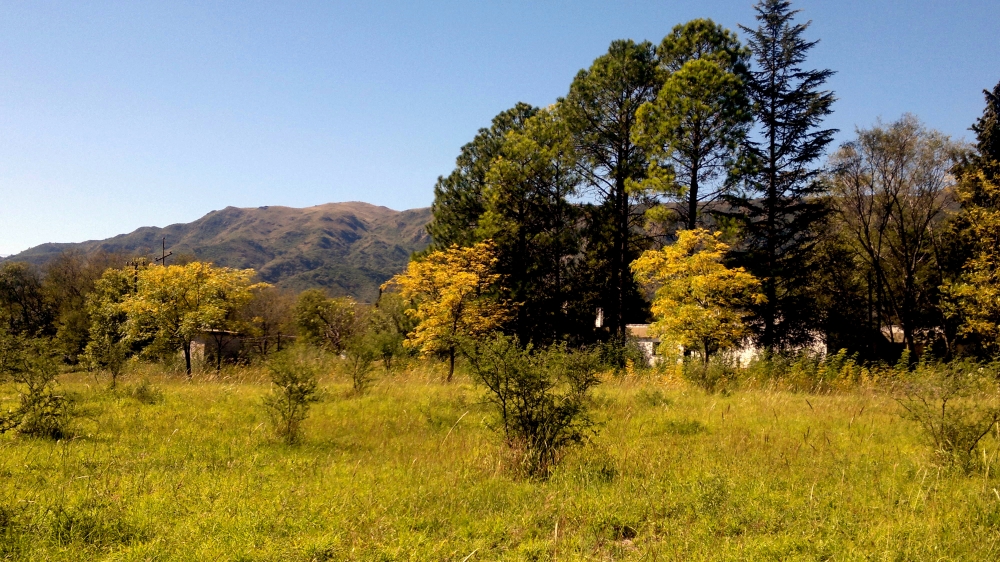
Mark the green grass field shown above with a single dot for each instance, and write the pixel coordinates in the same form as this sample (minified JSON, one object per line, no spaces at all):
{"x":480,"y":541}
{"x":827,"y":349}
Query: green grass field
{"x":412,"y":471}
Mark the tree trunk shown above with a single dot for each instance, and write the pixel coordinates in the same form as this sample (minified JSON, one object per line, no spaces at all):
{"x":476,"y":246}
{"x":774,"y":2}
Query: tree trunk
{"x":187,"y":357}
{"x":692,"y":221}
{"x":451,"y":363}
{"x":621,"y":259}
{"x":218,"y":354}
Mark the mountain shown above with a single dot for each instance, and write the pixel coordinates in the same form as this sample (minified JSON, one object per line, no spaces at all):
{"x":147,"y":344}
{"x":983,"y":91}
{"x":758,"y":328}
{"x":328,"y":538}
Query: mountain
{"x":344,"y":248}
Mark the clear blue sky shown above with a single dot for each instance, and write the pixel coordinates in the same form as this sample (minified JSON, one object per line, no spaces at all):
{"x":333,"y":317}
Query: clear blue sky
{"x":125,"y":114}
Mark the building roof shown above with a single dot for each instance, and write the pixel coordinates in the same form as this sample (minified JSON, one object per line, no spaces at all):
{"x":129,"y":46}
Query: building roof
{"x":638,"y":330}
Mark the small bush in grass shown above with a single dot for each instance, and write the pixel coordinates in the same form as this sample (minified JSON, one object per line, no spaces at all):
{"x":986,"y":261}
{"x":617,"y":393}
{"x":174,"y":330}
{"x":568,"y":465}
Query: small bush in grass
{"x":361,"y":354}
{"x":540,"y":398}
{"x":621,"y":355}
{"x":956,"y":406}
{"x":41,"y":410}
{"x":294,"y":375}
{"x":146,"y":393}
{"x":715,"y":376}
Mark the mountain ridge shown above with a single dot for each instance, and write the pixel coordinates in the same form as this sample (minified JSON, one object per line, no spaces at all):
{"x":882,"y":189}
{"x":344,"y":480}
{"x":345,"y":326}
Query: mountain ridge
{"x":344,"y":248}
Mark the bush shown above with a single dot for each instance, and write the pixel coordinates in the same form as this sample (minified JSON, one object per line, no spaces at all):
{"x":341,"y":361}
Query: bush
{"x":540,"y":398}
{"x":808,"y":371}
{"x":41,"y":411}
{"x":956,"y":405}
{"x":619,"y":353}
{"x":146,"y":393}
{"x":361,"y":353}
{"x":716,"y":376}
{"x":389,"y":325}
{"x":103,"y":352}
{"x":294,"y":376}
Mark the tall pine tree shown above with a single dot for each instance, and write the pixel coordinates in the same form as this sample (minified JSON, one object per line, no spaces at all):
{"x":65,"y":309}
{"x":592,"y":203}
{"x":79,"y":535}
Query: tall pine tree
{"x":458,"y":198}
{"x":600,"y":110}
{"x":987,"y":129}
{"x":694,"y":128}
{"x":780,"y":206}
{"x":535,"y":228}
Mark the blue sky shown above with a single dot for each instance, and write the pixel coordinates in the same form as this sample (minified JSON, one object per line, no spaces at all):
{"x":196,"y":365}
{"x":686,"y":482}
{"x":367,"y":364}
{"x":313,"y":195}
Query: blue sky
{"x":127,"y":114}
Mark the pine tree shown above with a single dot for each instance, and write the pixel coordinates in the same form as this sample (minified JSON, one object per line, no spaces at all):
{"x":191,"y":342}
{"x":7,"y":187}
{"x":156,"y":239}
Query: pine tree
{"x":975,"y":294}
{"x":779,"y":207}
{"x":600,"y":110}
{"x":534,"y":226}
{"x":694,"y":128}
{"x":458,"y":198}
{"x":987,"y":129}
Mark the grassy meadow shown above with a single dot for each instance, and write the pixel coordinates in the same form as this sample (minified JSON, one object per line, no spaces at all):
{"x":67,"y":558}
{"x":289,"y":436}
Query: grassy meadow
{"x":163,"y":468}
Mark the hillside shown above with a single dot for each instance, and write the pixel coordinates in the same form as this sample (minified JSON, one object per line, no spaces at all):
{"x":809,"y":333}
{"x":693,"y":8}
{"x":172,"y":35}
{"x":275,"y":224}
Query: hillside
{"x":345,"y":248}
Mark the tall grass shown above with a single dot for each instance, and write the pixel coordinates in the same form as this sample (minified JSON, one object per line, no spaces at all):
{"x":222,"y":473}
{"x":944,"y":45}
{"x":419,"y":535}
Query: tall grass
{"x":410,"y":471}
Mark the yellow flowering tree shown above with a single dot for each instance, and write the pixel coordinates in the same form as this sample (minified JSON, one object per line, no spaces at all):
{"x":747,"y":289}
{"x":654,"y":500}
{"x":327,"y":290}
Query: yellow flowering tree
{"x":173,"y":304}
{"x":452,"y":297}
{"x":699,"y":303}
{"x":975,"y":297}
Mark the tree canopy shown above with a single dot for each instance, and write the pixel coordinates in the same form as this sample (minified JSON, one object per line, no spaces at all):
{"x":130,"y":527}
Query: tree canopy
{"x":698,"y":302}
{"x":172,"y":304}
{"x":453,"y":297}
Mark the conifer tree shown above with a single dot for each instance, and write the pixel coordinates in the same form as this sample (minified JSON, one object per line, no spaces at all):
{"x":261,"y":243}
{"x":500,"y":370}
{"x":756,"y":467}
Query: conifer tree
{"x":534,"y":226}
{"x":458,"y":198}
{"x":975,"y":295}
{"x":693,"y":129}
{"x":987,"y":129}
{"x":600,"y":110}
{"x":779,"y":207}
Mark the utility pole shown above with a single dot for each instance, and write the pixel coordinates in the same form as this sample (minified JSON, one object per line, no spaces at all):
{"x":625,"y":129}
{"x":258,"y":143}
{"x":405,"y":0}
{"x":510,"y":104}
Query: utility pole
{"x":163,"y":253}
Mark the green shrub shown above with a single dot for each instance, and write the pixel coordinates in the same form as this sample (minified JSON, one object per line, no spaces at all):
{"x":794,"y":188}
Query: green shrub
{"x":956,"y":405}
{"x":808,"y":371}
{"x":146,"y":393}
{"x":540,"y":399}
{"x":717,"y":376}
{"x":617,"y":353}
{"x":294,"y":379}
{"x":361,"y":353}
{"x":41,"y":410}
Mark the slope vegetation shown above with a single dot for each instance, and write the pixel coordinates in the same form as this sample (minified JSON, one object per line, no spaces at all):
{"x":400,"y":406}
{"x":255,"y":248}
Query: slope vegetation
{"x":344,"y":248}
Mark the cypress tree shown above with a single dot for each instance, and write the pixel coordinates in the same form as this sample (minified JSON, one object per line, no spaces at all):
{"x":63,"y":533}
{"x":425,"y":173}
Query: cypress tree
{"x":987,"y":129}
{"x":779,"y":207}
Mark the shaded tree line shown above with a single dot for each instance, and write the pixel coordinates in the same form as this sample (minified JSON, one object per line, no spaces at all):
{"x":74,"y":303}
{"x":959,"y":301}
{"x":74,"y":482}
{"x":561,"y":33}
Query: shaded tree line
{"x":698,"y":131}
{"x":879,"y":245}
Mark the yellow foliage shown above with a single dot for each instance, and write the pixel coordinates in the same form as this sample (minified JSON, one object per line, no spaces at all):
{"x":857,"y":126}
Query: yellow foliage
{"x":171,"y":304}
{"x":977,"y":293}
{"x":698,"y":303}
{"x":451,"y":293}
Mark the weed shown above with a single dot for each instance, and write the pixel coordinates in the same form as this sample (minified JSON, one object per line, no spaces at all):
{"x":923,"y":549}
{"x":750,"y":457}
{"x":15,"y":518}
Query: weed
{"x":684,"y":427}
{"x":146,"y":392}
{"x":652,"y":398}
